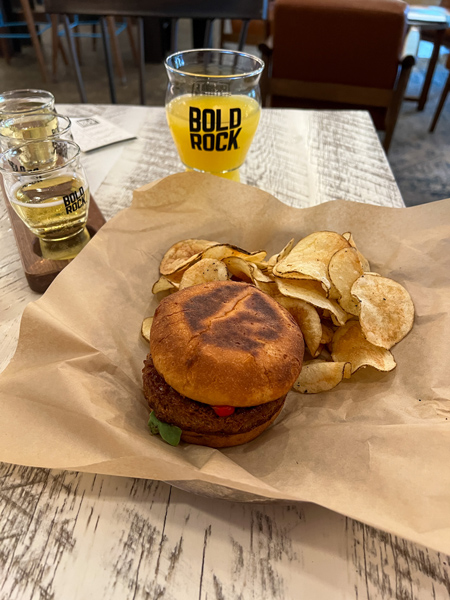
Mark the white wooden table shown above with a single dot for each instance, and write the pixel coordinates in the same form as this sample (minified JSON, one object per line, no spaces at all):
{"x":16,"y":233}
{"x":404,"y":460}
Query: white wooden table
{"x":75,"y":536}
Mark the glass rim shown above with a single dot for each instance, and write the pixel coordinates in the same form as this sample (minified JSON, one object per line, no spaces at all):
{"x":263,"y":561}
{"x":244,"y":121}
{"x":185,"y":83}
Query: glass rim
{"x":10,"y":151}
{"x":41,"y":112}
{"x":251,"y":73}
{"x":8,"y":94}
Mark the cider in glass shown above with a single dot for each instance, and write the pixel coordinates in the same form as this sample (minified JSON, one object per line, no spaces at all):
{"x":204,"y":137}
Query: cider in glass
{"x":213,"y":107}
{"x":51,"y":197}
{"x":20,"y":102}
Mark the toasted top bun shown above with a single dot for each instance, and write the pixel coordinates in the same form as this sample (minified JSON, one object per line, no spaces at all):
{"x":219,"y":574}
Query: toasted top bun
{"x":226,"y":343}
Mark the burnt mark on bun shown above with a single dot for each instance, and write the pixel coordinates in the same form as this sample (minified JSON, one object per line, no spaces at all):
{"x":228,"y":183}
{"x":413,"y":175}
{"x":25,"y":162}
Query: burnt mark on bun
{"x":262,"y":307}
{"x":247,"y":328}
{"x":245,"y":331}
{"x":200,"y":309}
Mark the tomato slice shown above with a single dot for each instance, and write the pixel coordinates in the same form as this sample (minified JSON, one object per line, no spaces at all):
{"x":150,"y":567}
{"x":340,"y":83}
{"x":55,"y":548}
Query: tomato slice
{"x":223,"y":411}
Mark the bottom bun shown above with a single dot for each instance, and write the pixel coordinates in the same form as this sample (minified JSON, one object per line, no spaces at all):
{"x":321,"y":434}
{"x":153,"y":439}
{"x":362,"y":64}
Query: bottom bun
{"x":227,"y":440}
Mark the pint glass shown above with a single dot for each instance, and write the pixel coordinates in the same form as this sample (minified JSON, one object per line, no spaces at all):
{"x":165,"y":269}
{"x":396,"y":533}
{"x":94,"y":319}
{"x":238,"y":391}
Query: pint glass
{"x":213,"y":107}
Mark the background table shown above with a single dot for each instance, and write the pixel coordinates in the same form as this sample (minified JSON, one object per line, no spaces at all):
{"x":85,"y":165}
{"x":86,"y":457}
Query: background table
{"x":73,"y":536}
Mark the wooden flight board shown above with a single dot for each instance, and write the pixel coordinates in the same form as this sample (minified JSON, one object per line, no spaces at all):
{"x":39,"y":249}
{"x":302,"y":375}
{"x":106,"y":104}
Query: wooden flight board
{"x":39,"y":271}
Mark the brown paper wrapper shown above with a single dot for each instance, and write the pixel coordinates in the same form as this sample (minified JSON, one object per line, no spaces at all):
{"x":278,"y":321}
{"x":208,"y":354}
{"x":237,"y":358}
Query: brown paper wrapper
{"x":376,"y":448}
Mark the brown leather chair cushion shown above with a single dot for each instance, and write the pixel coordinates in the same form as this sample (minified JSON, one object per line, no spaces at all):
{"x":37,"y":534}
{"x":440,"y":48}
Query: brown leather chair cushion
{"x":353,"y":42}
{"x":258,"y":32}
{"x":350,"y":42}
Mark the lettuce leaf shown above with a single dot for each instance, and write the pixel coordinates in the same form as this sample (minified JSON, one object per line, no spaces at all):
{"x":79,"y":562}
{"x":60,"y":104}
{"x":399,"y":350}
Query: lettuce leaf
{"x":169,"y":433}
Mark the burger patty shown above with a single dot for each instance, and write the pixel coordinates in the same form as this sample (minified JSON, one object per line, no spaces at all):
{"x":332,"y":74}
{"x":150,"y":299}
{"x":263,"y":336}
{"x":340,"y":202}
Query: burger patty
{"x":174,"y":408}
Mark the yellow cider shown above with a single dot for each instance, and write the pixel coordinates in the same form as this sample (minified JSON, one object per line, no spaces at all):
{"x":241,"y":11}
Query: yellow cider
{"x":213,"y":133}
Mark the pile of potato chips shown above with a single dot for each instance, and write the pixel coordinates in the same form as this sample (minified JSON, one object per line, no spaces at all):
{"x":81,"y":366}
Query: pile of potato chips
{"x":350,"y":317}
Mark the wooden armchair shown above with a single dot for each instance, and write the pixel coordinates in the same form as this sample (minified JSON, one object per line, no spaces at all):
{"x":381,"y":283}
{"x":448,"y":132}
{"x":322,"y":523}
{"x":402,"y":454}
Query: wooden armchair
{"x":339,"y":54}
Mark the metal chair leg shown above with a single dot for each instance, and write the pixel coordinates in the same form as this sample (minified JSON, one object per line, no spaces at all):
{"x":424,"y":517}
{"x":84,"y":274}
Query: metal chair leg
{"x":208,"y":33}
{"x":109,"y":66}
{"x":134,"y":49}
{"x":140,"y":30}
{"x":173,"y":35}
{"x":243,"y":34}
{"x":396,"y":102}
{"x":439,"y":38}
{"x":444,"y":95}
{"x":116,"y":50}
{"x":78,"y":46}
{"x":55,"y":46}
{"x":74,"y":59}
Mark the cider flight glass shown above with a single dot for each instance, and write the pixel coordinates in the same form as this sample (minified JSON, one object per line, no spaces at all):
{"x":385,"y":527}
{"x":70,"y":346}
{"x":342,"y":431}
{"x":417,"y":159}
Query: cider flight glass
{"x":47,"y":187}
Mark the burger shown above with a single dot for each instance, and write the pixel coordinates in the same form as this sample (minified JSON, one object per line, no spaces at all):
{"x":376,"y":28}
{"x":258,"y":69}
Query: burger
{"x":223,"y":356}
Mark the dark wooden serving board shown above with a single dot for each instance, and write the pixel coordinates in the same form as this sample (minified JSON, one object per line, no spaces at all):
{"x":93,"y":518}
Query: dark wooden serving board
{"x":39,"y":271}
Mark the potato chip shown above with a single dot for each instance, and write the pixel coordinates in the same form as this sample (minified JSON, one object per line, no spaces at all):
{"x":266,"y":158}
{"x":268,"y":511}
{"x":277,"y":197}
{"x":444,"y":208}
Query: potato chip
{"x":350,"y":345}
{"x":320,"y":376}
{"x":327,"y":334}
{"x":206,"y":269}
{"x":183,"y":254}
{"x":307,"y":318}
{"x":300,"y":277}
{"x":268,"y":287}
{"x":221,"y":251}
{"x":312,"y":292}
{"x":163,"y":284}
{"x":324,"y":354}
{"x":311,"y":256}
{"x":238,"y":268}
{"x":263,"y":266}
{"x":364,"y":262}
{"x":251,"y":273}
{"x":387,"y":311}
{"x":245,"y":270}
{"x":177,"y":275}
{"x":146,"y":327}
{"x":333,"y":292}
{"x":282,"y":254}
{"x":344,"y":269}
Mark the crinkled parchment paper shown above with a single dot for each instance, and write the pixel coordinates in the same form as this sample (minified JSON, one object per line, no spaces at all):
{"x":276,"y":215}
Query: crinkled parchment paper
{"x":376,"y":448}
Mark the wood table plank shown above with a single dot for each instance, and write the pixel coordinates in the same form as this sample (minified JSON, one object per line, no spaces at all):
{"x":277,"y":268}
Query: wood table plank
{"x":73,"y":536}
{"x":70,"y":535}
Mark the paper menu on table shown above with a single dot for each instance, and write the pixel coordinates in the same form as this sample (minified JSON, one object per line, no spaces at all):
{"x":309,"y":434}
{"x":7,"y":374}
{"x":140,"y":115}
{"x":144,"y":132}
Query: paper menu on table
{"x":95,"y":132}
